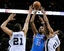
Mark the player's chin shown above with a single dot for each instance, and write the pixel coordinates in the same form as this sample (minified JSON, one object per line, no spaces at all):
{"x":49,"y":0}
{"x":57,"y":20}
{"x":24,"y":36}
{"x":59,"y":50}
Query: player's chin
{"x":40,"y":32}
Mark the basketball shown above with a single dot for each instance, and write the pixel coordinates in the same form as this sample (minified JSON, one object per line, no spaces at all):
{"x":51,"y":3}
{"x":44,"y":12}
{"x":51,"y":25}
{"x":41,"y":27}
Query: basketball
{"x":37,"y":5}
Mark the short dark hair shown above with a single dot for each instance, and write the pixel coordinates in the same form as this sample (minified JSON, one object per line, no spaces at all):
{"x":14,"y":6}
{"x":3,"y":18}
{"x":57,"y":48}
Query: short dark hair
{"x":61,"y":34}
{"x":17,"y":27}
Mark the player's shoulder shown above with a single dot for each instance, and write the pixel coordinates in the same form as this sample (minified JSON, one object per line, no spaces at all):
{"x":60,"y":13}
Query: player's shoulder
{"x":56,"y":36}
{"x":21,"y":31}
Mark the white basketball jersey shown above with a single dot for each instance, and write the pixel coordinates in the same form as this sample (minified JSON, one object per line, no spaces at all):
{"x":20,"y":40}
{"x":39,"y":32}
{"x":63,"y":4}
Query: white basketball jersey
{"x":52,"y":44}
{"x":17,"y":41}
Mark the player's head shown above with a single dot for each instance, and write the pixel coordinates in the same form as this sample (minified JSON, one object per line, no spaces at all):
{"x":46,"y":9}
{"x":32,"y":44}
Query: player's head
{"x":41,"y":29}
{"x":60,"y":34}
{"x":17,"y":27}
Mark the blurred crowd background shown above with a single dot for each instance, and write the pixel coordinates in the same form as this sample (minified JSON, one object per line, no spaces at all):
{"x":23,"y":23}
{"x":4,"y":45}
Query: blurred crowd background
{"x":56,"y":22}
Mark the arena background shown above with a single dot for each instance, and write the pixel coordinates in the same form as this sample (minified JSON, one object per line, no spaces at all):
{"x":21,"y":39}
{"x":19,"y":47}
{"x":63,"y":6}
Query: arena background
{"x":57,"y":22}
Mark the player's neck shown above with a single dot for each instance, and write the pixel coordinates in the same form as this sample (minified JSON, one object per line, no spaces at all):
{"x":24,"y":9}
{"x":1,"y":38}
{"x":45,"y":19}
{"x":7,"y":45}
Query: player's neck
{"x":41,"y":33}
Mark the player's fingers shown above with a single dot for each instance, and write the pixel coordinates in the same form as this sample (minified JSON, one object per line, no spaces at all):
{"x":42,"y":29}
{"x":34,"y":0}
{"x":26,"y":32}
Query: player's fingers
{"x":30,"y":7}
{"x":40,"y":17}
{"x":13,"y":19}
{"x":14,"y":14}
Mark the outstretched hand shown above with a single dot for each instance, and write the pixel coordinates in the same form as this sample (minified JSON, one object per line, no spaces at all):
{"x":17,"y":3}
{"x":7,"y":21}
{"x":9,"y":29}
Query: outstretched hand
{"x":11,"y":17}
{"x":30,"y":8}
{"x":35,"y":11}
{"x":42,"y":10}
{"x":41,"y":19}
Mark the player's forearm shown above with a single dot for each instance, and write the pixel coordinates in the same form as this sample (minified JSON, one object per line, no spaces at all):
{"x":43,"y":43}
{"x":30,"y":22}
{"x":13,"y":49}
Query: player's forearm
{"x":47,"y":23}
{"x":42,"y":22}
{"x":45,"y":17}
{"x":33,"y":17}
{"x":5,"y":23}
{"x":28,"y":18}
{"x":25,"y":28}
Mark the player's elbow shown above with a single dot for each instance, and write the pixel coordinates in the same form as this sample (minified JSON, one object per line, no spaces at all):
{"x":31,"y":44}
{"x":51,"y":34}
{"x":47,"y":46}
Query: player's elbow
{"x":1,"y":27}
{"x":51,"y":31}
{"x":31,"y":21}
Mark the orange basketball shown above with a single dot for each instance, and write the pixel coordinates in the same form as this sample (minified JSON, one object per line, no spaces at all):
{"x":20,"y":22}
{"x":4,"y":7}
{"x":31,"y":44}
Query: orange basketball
{"x":37,"y":5}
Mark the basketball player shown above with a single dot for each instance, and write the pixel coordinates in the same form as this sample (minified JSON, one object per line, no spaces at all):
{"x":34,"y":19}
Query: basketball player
{"x":18,"y":38}
{"x":39,"y":35}
{"x":53,"y":42}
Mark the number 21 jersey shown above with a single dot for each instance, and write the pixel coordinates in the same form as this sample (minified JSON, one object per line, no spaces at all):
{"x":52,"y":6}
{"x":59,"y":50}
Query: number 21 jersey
{"x":18,"y":40}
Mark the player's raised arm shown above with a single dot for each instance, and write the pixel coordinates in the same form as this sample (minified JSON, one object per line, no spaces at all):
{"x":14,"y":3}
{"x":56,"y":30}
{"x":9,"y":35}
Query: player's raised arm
{"x":32,"y":23}
{"x":47,"y":21}
{"x":25,"y":28}
{"x":3,"y":26}
{"x":43,"y":23}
